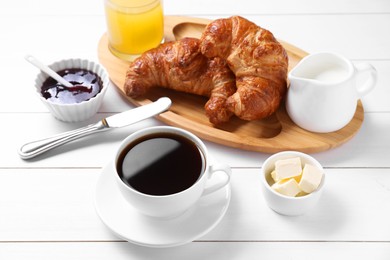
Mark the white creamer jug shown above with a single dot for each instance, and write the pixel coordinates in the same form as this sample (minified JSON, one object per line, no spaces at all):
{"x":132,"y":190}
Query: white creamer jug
{"x":324,"y":91}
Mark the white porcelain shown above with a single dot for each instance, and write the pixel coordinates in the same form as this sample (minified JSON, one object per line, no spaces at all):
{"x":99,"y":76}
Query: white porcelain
{"x":285,"y":205}
{"x":37,"y":63}
{"x":177,"y":203}
{"x":80,"y":111}
{"x":129,"y":224}
{"x":324,"y":90}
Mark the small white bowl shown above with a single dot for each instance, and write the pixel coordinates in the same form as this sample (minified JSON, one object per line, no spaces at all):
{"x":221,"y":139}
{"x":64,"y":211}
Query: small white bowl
{"x":77,"y":111}
{"x":285,"y":205}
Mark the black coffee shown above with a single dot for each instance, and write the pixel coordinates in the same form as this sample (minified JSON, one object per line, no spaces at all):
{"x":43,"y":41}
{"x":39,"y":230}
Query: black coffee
{"x":160,"y":164}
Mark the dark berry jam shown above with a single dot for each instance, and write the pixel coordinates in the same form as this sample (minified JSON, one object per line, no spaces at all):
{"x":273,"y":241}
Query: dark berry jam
{"x":86,"y":85}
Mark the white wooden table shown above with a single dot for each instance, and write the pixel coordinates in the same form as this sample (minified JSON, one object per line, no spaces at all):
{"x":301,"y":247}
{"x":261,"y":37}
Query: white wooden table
{"x":46,"y":204}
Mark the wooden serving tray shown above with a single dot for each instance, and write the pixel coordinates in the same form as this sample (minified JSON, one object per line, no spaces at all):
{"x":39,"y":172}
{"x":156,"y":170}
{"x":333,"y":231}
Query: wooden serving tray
{"x":273,"y":134}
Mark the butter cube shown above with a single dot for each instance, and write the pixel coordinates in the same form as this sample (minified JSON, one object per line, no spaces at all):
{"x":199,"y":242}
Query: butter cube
{"x":287,"y":168}
{"x":311,"y":178}
{"x":273,"y":175}
{"x":288,"y":187}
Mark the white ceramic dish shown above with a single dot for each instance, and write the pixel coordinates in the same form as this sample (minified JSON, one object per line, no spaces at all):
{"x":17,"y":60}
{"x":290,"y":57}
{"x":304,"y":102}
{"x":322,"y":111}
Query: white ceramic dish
{"x":285,"y":205}
{"x":79,"y":111}
{"x":126,"y":222}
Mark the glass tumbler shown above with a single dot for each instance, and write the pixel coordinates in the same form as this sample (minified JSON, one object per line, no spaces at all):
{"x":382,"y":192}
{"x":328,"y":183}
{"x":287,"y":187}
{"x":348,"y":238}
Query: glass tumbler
{"x":133,"y":26}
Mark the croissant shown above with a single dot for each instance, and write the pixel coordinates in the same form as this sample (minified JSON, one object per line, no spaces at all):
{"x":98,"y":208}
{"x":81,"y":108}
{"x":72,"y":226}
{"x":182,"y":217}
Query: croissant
{"x":258,"y":61}
{"x":180,"y":65}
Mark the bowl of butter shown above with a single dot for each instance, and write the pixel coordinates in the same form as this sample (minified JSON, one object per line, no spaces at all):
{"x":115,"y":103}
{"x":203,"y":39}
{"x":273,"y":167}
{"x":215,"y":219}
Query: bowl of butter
{"x":292,"y":182}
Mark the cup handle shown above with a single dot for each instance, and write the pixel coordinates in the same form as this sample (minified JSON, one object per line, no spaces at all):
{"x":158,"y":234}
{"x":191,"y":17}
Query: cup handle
{"x":218,"y":168}
{"x":369,"y":84}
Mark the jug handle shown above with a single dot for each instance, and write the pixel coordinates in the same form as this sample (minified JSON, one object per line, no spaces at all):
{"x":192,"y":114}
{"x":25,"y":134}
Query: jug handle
{"x":369,"y":84}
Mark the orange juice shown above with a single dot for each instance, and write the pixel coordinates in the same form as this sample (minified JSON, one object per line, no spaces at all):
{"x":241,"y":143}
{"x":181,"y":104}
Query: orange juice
{"x":133,"y":26}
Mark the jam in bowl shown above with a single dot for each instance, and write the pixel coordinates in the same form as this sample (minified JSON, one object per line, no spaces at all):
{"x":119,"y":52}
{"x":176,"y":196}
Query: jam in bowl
{"x":81,"y":101}
{"x":86,"y":85}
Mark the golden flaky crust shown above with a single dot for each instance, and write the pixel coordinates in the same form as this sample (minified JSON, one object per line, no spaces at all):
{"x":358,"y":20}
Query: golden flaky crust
{"x":239,"y":65}
{"x":258,"y":61}
{"x":180,"y":65}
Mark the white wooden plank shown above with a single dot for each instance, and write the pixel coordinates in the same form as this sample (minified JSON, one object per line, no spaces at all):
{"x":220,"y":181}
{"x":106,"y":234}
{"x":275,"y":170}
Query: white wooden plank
{"x":57,"y":205}
{"x":366,"y":33}
{"x":378,"y":99}
{"x":197,"y":250}
{"x":351,"y":197}
{"x":49,"y":204}
{"x":63,"y":41}
{"x":369,"y":148}
{"x":358,"y":36}
{"x":259,"y":7}
{"x":26,"y":100}
{"x":191,"y":7}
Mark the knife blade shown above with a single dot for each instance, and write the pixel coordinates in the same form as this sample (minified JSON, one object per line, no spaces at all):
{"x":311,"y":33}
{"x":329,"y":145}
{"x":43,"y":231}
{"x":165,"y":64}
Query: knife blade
{"x":34,"y":148}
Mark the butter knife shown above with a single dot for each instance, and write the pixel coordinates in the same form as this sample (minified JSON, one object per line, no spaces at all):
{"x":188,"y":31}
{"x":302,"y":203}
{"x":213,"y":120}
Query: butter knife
{"x":34,"y":148}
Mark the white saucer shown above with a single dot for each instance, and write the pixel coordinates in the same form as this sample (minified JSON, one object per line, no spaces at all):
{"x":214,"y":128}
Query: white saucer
{"x":127,"y":223}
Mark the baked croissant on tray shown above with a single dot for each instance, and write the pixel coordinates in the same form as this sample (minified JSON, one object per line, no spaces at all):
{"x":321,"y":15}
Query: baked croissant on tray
{"x":180,"y":65}
{"x":239,"y":65}
{"x":257,"y":59}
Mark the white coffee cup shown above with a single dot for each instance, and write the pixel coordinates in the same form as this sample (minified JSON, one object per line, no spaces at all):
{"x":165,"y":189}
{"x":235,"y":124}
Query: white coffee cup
{"x":324,"y":90}
{"x":171,"y":205}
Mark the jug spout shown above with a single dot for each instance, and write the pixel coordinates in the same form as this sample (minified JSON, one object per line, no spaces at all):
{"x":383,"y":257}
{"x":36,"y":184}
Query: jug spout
{"x":297,"y":81}
{"x":300,"y":75}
